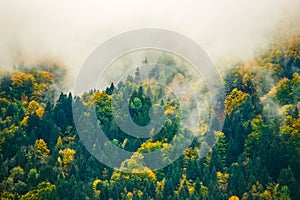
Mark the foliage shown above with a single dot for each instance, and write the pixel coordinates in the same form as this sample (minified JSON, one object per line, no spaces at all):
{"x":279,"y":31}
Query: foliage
{"x":257,"y":155}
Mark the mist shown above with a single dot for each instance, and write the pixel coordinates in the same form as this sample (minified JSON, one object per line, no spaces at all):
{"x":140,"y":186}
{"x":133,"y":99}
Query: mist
{"x":66,"y":32}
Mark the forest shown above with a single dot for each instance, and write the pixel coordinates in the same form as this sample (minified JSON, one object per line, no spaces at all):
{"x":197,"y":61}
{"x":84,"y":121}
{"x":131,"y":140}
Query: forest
{"x":257,"y":155}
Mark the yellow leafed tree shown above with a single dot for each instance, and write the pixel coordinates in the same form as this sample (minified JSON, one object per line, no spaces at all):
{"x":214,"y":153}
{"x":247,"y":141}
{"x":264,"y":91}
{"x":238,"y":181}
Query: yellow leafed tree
{"x":40,"y":112}
{"x":41,"y":149}
{"x":234,"y":198}
{"x":67,"y":157}
{"x":33,"y":106}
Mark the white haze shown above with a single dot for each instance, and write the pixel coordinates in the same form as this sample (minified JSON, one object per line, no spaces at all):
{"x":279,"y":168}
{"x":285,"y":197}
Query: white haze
{"x":67,"y":31}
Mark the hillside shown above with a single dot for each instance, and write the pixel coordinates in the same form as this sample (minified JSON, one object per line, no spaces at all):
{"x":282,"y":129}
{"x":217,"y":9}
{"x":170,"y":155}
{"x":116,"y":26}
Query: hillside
{"x":257,"y":155}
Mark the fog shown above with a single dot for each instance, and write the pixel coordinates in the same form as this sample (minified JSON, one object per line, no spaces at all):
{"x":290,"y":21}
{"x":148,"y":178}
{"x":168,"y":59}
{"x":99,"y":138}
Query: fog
{"x":67,"y":31}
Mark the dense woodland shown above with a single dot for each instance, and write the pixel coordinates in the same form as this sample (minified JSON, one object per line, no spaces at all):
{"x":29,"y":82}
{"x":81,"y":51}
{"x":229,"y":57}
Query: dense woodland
{"x":257,"y":155}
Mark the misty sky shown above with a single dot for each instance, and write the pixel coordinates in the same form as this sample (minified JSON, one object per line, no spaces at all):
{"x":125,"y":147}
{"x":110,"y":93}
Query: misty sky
{"x":67,"y":31}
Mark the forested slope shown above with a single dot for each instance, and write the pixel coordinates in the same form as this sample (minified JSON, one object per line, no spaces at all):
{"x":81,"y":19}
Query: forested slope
{"x":257,"y":155}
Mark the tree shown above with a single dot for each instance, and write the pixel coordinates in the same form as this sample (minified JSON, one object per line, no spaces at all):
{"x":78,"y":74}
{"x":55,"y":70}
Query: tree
{"x":16,"y":173}
{"x":67,"y":158}
{"x":32,"y":177}
{"x":45,"y":190}
{"x":218,"y":157}
{"x":235,"y":99}
{"x":63,"y":111}
{"x":22,"y":85}
{"x":184,"y":191}
{"x":137,"y":76}
{"x":41,"y":150}
{"x":234,"y":198}
{"x":110,"y":90}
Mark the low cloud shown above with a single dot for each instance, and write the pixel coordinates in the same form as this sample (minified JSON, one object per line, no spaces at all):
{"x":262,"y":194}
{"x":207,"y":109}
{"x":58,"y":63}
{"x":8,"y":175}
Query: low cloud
{"x":68,"y":31}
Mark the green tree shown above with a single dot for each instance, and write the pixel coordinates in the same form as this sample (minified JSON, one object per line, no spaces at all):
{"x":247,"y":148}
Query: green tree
{"x":45,"y":190}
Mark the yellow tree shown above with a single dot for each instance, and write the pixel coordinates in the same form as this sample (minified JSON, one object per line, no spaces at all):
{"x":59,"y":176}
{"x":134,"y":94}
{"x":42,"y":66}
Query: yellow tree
{"x":44,"y":190}
{"x":235,"y":99}
{"x":22,"y":85}
{"x":67,"y":158}
{"x":41,"y":150}
{"x":40,"y":112}
{"x":32,"y":106}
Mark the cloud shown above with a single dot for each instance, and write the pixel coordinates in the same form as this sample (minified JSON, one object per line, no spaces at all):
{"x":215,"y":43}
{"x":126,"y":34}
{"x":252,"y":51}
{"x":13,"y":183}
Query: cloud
{"x":70,"y":30}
